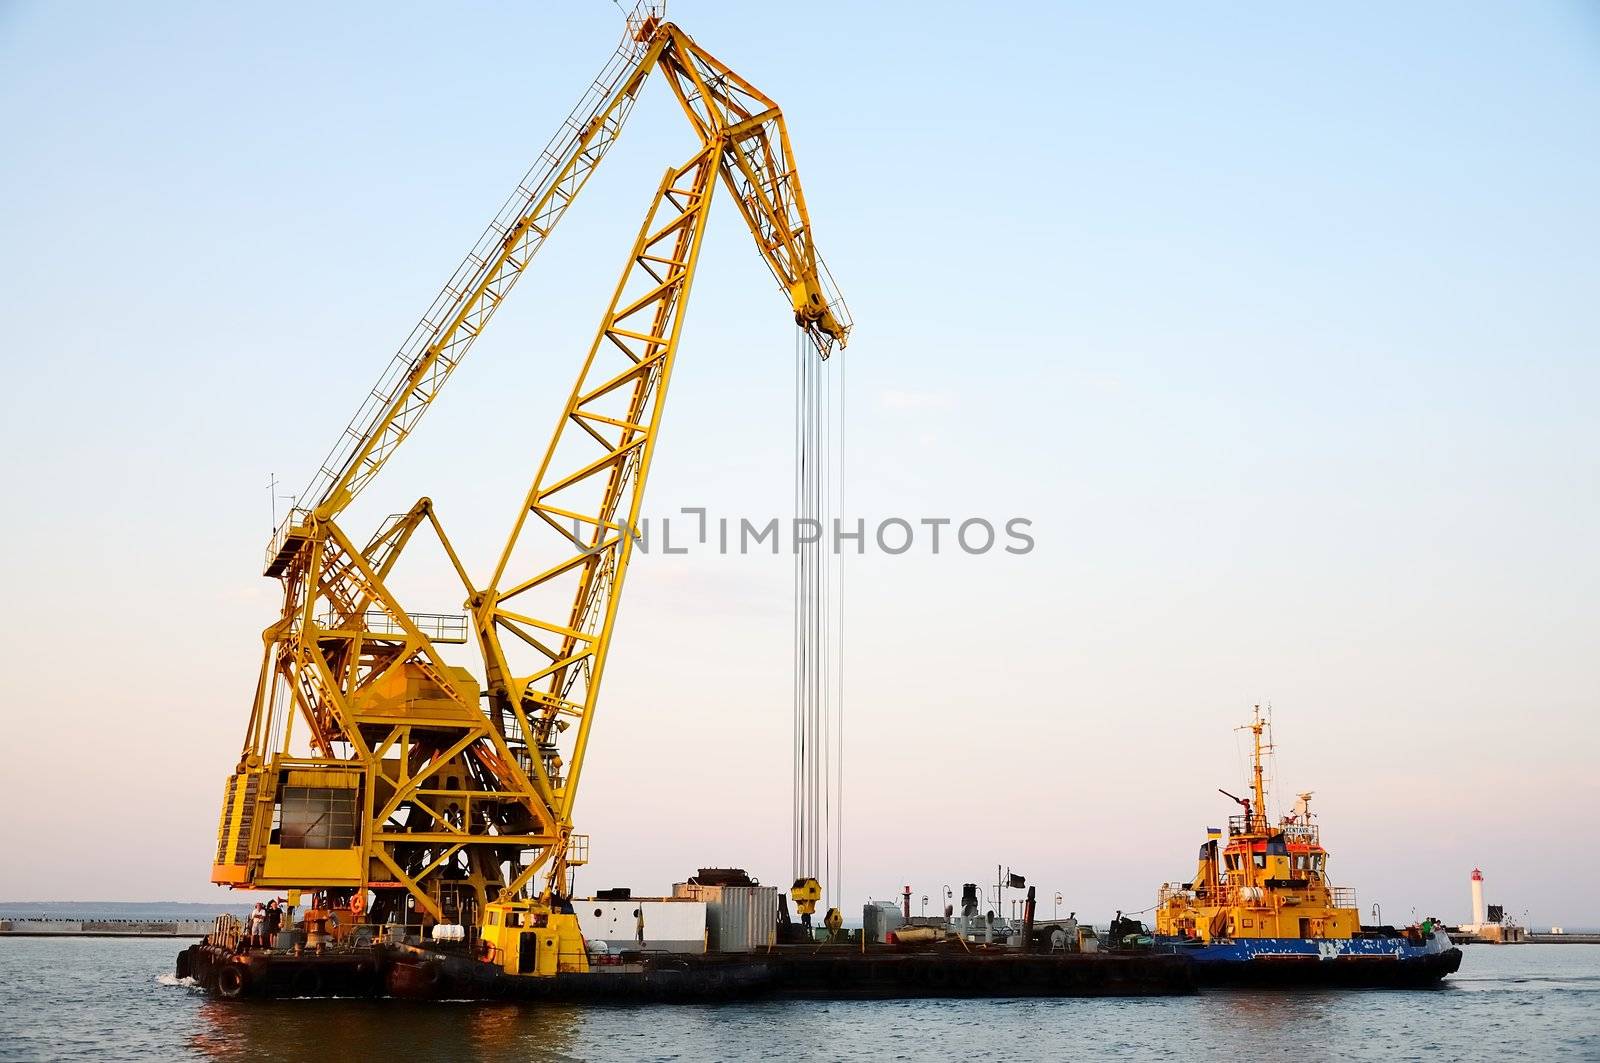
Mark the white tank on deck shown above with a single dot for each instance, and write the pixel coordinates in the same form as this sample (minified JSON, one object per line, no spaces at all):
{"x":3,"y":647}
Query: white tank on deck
{"x":444,"y":932}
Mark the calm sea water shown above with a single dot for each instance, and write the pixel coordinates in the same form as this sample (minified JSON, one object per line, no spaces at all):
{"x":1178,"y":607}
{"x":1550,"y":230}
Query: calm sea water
{"x":86,"y":998}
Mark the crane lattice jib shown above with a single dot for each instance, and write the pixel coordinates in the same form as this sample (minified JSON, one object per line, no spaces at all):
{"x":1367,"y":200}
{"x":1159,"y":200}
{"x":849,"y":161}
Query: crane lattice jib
{"x":436,"y":346}
{"x":756,"y":168}
{"x":589,"y":487}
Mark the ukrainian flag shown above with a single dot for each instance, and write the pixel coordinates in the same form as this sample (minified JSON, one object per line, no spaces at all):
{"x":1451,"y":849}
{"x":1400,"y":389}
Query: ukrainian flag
{"x":1213,"y":832}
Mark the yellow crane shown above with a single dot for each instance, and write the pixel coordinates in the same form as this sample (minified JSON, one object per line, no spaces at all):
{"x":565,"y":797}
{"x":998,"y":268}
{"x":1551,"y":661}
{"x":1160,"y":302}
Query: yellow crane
{"x":371,"y":768}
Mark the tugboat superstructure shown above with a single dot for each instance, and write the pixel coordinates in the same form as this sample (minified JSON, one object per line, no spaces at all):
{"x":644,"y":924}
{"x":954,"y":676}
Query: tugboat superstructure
{"x":1261,"y":907}
{"x":1265,"y":881}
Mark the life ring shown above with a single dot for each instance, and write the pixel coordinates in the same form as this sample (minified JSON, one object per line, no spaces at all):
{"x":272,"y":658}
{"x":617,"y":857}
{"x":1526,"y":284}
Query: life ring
{"x":232,"y":982}
{"x":358,"y":905}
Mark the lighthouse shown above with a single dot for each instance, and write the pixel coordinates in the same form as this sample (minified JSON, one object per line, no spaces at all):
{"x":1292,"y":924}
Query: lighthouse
{"x":1480,"y":915}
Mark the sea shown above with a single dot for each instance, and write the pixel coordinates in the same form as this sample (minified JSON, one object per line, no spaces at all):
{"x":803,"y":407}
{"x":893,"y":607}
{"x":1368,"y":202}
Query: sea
{"x":107,"y":998}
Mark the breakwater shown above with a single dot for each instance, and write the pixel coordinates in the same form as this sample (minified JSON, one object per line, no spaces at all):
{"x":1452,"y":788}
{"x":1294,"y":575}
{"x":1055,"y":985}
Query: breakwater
{"x":137,"y":928}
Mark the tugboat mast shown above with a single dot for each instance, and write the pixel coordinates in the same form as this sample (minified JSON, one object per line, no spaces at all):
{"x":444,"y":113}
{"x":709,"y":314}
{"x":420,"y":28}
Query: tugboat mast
{"x":1257,"y":725}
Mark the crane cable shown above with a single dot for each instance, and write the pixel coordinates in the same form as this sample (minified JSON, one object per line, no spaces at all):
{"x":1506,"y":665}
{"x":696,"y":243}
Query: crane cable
{"x":797,"y":781}
{"x":818,"y":731}
{"x":837,"y":828}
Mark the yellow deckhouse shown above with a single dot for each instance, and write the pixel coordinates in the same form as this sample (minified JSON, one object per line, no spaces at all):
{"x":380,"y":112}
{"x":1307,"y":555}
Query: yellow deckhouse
{"x":1267,"y":881}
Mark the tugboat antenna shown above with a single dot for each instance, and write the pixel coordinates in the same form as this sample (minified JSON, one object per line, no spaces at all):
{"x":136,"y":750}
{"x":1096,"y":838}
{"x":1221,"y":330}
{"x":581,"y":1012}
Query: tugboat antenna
{"x":1259,"y":816}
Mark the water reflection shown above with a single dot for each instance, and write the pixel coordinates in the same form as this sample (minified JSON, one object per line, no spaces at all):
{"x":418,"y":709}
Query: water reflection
{"x":1272,"y":1011}
{"x":93,"y":1000}
{"x":367,"y":1029}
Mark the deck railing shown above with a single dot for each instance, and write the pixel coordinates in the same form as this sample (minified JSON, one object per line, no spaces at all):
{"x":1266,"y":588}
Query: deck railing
{"x":1338,"y":896}
{"x":298,"y":517}
{"x":437,"y":627}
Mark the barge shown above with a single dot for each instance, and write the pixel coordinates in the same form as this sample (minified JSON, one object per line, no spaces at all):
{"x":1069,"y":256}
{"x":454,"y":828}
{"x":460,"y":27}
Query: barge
{"x":720,"y":936}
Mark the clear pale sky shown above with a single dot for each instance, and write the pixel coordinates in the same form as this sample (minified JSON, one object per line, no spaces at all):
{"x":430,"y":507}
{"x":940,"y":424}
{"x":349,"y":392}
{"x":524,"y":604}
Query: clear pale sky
{"x":1280,"y":324}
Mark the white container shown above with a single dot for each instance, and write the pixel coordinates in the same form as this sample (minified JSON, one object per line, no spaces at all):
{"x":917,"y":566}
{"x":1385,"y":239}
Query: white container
{"x":654,"y":924}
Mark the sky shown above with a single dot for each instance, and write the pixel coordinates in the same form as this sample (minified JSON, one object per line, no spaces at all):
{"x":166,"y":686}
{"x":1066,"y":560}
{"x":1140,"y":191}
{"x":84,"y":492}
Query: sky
{"x":1278,"y":324}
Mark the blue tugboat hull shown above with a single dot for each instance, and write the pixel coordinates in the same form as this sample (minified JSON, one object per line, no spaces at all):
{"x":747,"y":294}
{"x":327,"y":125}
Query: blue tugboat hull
{"x":1373,"y":960}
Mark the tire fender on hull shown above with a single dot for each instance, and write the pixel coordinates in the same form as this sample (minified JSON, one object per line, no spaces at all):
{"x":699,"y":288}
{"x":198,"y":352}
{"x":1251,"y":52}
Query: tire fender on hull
{"x":233,"y":981}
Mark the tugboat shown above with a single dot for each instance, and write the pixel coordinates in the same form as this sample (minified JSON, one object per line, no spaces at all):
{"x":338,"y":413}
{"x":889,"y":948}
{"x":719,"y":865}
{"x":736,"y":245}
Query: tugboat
{"x":1260,"y":909}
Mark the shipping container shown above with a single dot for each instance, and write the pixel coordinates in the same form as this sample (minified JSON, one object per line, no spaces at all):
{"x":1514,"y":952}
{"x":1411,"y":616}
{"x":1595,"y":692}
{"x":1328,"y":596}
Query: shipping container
{"x":738,"y":918}
{"x":880,"y":918}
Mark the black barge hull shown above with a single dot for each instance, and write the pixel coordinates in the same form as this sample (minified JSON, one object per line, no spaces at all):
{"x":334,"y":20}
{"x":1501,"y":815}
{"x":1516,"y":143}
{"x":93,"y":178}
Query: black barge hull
{"x":785,"y":973}
{"x":809,"y":974}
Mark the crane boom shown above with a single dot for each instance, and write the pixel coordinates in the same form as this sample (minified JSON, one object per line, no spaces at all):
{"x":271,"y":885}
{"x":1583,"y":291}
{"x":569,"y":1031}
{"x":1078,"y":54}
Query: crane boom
{"x":460,"y":312}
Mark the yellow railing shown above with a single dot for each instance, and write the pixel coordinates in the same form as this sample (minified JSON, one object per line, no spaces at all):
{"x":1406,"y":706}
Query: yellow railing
{"x":1245,"y":896}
